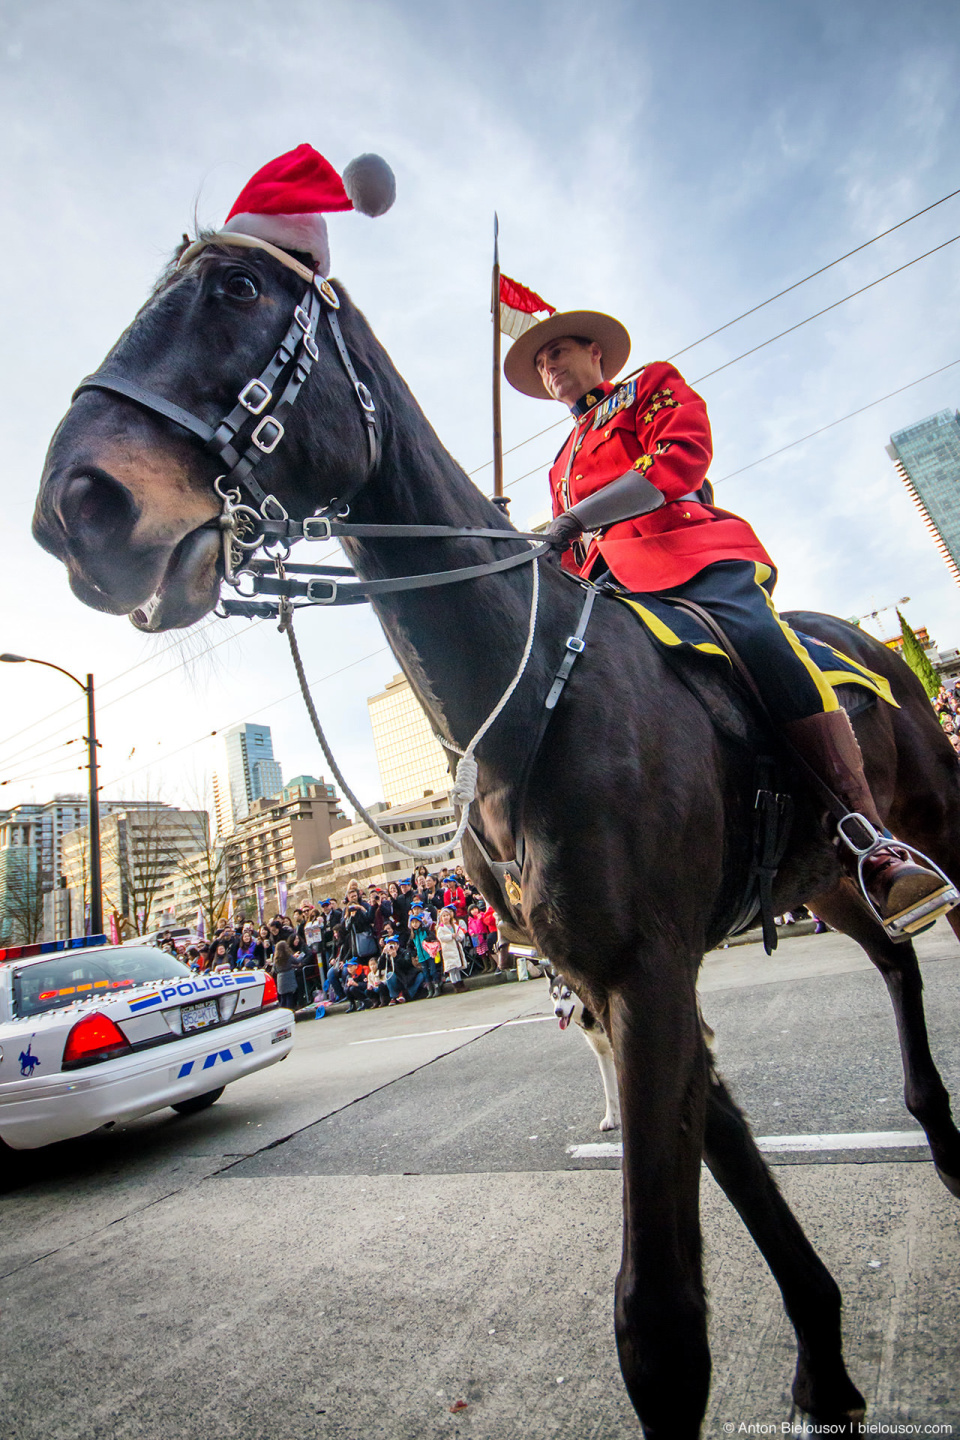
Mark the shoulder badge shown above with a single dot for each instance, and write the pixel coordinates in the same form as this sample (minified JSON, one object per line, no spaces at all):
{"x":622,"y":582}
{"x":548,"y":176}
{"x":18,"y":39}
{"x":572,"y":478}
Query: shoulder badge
{"x":621,"y":399}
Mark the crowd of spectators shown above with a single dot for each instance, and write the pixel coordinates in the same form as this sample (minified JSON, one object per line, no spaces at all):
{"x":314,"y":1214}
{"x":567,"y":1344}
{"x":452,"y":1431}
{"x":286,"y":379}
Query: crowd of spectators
{"x":390,"y":944}
{"x":381,"y":946}
{"x":947,"y":706}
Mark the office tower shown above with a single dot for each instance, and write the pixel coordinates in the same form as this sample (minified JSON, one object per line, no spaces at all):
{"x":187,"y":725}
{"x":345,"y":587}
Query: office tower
{"x":927,"y":457}
{"x":249,"y":773}
{"x":411,"y":761}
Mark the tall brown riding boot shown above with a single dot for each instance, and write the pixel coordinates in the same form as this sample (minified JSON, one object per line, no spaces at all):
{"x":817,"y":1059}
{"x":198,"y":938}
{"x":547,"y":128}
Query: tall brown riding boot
{"x":906,"y":895}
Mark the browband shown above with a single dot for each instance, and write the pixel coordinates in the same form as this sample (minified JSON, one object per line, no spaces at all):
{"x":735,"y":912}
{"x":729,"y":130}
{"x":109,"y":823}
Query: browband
{"x":245,"y":242}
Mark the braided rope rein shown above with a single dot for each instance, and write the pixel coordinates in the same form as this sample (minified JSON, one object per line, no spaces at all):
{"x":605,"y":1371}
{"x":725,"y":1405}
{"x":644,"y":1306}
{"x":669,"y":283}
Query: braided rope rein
{"x":464,"y":790}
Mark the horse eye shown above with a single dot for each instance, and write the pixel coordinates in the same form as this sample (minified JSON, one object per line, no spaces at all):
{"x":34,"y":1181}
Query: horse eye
{"x":239,"y":286}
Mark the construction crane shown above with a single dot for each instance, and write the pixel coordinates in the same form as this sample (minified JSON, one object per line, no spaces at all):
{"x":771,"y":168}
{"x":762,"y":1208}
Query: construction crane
{"x":881,"y":610}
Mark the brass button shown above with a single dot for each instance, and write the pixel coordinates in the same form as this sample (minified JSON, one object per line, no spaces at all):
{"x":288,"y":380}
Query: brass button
{"x":686,"y":514}
{"x":578,"y":477}
{"x":606,"y":434}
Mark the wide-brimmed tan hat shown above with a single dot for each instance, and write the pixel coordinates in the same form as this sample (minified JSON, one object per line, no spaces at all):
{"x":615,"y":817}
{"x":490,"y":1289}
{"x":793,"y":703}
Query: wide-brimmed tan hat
{"x":612,"y":337}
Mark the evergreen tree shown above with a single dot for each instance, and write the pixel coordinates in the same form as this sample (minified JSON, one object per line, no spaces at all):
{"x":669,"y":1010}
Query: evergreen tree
{"x":915,"y":657}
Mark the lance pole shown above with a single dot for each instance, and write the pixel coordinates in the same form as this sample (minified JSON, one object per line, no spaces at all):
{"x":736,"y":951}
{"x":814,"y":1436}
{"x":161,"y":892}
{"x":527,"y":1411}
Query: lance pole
{"x":495,"y":311}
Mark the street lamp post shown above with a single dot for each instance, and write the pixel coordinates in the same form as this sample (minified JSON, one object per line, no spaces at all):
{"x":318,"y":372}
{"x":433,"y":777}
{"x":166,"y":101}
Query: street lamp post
{"x":96,"y":881}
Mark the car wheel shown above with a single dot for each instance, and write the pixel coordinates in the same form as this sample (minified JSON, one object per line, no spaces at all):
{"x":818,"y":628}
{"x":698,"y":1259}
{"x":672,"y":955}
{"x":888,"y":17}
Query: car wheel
{"x":198,"y":1102}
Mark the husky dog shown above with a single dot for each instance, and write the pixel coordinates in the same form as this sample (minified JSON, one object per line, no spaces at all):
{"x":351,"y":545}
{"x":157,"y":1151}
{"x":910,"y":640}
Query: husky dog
{"x":568,"y":1006}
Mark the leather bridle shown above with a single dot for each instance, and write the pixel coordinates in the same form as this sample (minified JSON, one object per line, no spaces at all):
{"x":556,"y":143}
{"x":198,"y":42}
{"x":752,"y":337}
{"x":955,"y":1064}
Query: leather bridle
{"x":254,"y":427}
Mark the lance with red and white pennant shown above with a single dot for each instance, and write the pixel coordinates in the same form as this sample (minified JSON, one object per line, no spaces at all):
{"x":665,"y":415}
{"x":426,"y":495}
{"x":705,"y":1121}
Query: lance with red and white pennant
{"x":514,"y":309}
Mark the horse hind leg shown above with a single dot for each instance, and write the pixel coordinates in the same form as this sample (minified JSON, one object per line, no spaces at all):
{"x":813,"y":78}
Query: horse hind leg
{"x":822,"y":1389}
{"x":924,"y":1093}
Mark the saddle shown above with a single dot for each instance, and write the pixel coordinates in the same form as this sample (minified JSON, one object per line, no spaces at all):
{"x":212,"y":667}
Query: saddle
{"x":704,"y":658}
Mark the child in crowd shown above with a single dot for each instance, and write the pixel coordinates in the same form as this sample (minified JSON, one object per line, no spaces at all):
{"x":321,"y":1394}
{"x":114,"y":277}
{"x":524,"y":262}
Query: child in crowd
{"x":451,"y":949}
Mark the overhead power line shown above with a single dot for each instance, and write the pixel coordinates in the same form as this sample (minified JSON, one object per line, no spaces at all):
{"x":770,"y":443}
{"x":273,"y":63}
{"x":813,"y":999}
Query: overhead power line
{"x":813,"y":275}
{"x":7,"y":739}
{"x":25,"y":754}
{"x":259,"y":709}
{"x":147,"y":660}
{"x":889,"y":396}
{"x":801,"y":438}
{"x":42,"y":774}
{"x":752,"y":311}
{"x":825,"y":311}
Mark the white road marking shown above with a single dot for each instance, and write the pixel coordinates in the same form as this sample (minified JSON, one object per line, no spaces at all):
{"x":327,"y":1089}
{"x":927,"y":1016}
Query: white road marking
{"x":454,"y":1030}
{"x":861,"y":1140}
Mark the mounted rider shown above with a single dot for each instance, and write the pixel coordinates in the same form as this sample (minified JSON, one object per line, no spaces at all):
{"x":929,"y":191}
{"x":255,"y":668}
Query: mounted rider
{"x":632,"y":504}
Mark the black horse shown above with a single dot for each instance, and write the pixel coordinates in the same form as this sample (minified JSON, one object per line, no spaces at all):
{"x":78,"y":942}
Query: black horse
{"x":637,"y":815}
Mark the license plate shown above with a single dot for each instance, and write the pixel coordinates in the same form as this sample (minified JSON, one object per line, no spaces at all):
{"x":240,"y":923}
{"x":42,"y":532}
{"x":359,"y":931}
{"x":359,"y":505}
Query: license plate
{"x":198,"y":1017}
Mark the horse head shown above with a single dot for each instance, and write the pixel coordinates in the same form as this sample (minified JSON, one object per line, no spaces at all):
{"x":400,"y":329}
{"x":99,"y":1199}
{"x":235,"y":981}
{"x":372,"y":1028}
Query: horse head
{"x":127,"y":498}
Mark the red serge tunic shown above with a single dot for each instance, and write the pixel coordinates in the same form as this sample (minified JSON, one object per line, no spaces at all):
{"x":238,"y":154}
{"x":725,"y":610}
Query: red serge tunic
{"x":657,"y":425}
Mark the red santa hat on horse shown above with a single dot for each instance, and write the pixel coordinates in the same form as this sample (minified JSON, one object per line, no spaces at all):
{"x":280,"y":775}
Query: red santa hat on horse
{"x":285,"y":202}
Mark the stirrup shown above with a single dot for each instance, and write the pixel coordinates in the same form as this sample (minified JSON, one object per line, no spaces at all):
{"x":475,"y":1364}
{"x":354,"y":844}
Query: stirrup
{"x":907,"y":923}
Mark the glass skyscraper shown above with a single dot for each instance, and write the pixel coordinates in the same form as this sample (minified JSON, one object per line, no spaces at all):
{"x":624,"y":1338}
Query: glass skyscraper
{"x":927,"y":457}
{"x":251,"y":773}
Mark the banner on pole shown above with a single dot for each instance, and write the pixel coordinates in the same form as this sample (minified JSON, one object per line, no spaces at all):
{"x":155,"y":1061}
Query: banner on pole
{"x":282,"y":896}
{"x":260,"y":902}
{"x":201,"y":927}
{"x":520,"y":308}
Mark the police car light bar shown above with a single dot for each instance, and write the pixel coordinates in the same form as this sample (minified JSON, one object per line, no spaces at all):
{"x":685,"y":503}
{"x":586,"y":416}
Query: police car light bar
{"x":50,"y":947}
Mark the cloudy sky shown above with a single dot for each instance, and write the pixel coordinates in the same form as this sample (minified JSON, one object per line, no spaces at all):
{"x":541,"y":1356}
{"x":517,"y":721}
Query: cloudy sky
{"x":674,"y":164}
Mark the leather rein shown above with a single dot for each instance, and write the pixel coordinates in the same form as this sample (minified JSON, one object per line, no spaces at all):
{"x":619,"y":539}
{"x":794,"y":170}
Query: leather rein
{"x":254,"y":427}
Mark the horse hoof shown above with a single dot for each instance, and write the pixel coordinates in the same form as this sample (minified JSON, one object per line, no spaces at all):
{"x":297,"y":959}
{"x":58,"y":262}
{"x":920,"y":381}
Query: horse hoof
{"x":836,"y":1404}
{"x":952,"y":1182}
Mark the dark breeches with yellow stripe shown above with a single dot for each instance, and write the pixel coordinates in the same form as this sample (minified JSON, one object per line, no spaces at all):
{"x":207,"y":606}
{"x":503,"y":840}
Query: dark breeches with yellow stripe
{"x":737,"y":594}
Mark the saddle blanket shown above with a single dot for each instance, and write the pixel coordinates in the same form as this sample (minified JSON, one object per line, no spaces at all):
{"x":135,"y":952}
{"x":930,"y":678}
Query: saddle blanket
{"x":676,"y":630}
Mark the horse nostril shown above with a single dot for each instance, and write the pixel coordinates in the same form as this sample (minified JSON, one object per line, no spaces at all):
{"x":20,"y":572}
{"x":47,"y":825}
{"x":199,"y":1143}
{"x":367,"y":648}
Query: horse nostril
{"x":94,"y":504}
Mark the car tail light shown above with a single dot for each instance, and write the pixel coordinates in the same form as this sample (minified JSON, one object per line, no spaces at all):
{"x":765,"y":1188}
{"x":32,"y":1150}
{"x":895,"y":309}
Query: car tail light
{"x":93,"y":1038}
{"x":269,"y":991}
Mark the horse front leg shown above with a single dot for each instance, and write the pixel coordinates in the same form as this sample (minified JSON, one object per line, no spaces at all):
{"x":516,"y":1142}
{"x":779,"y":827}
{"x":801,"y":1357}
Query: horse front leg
{"x":660,"y":1314}
{"x":822,"y":1388}
{"x":924,"y":1093}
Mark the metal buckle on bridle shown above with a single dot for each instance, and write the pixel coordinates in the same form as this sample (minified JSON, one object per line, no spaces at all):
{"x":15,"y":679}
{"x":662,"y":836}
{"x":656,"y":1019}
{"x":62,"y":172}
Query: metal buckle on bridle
{"x":268,"y":446}
{"x":245,"y":398}
{"x":315,"y":593}
{"x":317,"y":527}
{"x":309,"y":344}
{"x":365,"y":398}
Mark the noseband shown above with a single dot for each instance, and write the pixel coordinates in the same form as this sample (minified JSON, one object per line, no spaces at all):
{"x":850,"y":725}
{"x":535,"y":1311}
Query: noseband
{"x":254,"y":428}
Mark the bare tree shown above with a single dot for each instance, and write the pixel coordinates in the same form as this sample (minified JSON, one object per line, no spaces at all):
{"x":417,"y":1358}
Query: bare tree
{"x":209,"y":875}
{"x":24,"y":902}
{"x":144,"y":846}
{"x":209,"y":870}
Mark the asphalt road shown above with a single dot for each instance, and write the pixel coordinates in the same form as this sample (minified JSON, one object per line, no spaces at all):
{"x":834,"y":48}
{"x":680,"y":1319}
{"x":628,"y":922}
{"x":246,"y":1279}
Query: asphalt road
{"x":401,"y":1216}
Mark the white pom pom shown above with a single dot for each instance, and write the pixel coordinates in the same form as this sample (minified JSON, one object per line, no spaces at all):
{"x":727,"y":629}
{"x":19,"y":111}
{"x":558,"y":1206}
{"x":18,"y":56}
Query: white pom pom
{"x":370,"y":184}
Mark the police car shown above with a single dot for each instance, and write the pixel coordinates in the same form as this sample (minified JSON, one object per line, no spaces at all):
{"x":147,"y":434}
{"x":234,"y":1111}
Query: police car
{"x":92,"y":1034}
